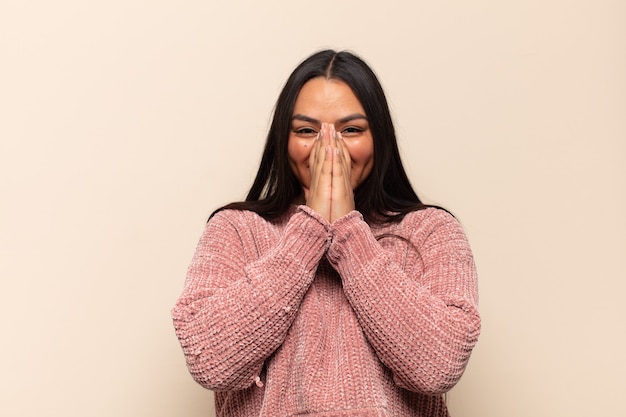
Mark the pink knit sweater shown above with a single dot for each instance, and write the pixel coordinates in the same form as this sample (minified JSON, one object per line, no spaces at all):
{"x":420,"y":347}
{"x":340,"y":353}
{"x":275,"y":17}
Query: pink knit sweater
{"x":303,"y":317}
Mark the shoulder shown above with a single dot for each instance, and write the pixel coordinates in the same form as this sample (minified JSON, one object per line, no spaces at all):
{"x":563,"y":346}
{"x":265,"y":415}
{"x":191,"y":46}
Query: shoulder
{"x":235,"y":218}
{"x":431,"y":225}
{"x":245,"y":220}
{"x":427,"y":218}
{"x":232,"y":230}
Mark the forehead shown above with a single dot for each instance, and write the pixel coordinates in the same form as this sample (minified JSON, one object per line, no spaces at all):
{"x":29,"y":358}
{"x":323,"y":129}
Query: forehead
{"x":324,"y":98}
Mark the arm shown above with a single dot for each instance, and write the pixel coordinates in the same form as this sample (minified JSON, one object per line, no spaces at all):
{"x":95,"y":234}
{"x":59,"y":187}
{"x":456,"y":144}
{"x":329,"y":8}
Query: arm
{"x":422,"y":324}
{"x":238,"y":304}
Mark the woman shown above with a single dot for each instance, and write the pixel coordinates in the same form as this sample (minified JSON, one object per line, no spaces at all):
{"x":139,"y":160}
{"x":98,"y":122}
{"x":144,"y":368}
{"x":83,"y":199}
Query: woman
{"x":332,"y":290}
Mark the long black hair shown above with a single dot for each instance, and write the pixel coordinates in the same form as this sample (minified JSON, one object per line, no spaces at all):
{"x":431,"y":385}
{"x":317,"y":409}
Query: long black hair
{"x":385,"y":195}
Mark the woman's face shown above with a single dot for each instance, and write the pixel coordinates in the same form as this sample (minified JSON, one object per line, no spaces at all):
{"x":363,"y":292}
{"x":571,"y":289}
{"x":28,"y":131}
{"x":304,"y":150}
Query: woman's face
{"x":330,"y":101}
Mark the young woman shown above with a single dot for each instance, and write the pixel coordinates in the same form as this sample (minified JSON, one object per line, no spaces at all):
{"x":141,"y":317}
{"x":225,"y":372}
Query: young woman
{"x":332,"y":290}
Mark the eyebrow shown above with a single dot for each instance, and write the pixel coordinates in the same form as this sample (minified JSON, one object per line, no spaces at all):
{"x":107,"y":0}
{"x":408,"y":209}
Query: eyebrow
{"x":345,"y":119}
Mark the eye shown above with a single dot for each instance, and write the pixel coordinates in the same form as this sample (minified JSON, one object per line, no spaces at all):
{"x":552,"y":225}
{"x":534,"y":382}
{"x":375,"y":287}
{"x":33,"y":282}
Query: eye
{"x":305,"y":131}
{"x":352,"y":131}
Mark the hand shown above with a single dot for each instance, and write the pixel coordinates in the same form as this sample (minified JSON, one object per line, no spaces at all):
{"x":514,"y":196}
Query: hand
{"x":320,"y":164}
{"x":342,"y":196}
{"x":330,"y":193}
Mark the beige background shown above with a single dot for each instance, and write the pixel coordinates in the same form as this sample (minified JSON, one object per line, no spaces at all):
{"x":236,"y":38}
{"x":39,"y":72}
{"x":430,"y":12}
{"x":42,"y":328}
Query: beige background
{"x":124,"y":123}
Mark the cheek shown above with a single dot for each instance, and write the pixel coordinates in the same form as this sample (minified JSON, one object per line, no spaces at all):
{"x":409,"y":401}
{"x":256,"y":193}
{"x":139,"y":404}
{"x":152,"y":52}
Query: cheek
{"x":299,"y":151}
{"x":361,"y":153}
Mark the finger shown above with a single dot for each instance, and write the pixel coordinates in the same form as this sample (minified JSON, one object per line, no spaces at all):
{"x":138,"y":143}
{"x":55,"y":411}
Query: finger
{"x":319,"y":198}
{"x":339,"y":171}
{"x":319,"y":147}
{"x":325,"y":133}
{"x":344,"y":156}
{"x":345,"y":165}
{"x":313,"y":156}
{"x":326,"y":162}
{"x":342,"y":194}
{"x":325,"y":154}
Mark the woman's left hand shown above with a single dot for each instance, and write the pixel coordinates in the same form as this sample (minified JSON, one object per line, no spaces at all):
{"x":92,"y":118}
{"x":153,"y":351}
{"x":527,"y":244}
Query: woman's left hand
{"x":342,"y":196}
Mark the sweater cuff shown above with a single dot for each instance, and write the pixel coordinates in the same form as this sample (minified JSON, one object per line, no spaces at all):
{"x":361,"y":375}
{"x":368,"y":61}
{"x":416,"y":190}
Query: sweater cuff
{"x":307,"y":237}
{"x":314,"y":215}
{"x":352,"y":238}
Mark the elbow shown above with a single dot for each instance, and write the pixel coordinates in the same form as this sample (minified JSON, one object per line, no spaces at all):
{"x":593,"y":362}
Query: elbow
{"x":438,"y":372}
{"x":433,"y":378}
{"x":215,"y":375}
{"x":212,"y":365}
{"x":434,"y":381}
{"x":438,"y":380}
{"x":213,"y":371}
{"x":206,"y":375}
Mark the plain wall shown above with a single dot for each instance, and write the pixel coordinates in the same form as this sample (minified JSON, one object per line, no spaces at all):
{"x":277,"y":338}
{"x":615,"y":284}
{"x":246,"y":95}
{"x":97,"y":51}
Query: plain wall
{"x":124,"y":123}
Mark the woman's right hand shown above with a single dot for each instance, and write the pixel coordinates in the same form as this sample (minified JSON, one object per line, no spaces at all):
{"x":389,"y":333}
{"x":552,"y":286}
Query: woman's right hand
{"x":321,"y":167}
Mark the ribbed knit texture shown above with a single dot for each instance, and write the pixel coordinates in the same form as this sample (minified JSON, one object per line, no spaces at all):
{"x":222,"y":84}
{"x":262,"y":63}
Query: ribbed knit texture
{"x":303,"y":317}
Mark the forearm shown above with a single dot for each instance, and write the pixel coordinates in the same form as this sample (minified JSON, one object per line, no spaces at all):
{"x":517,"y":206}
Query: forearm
{"x":423,"y":326}
{"x":235,"y":312}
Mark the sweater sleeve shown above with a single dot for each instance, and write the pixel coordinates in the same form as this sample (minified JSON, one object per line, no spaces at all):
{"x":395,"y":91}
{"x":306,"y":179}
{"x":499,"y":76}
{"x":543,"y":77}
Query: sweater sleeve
{"x":237,"y":305}
{"x":423,"y":324}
